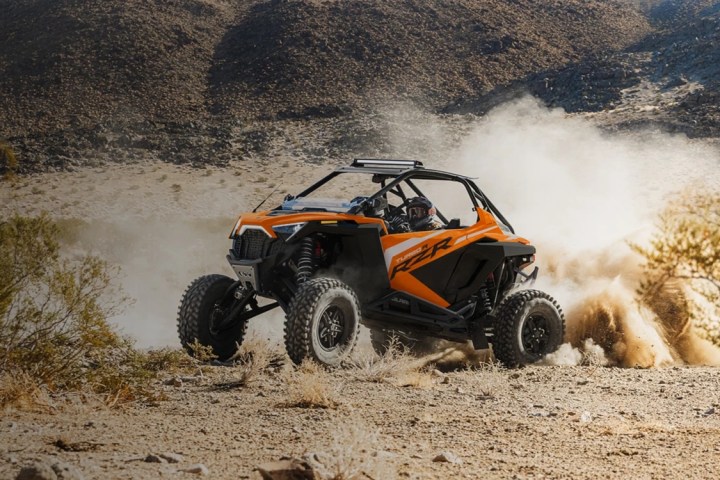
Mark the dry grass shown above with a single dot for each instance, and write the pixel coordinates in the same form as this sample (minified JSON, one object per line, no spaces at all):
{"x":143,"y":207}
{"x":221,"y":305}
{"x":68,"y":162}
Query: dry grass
{"x":202,"y":353}
{"x":9,"y":161}
{"x":352,"y":455}
{"x":18,"y":390}
{"x":396,"y":361}
{"x":251,"y":362}
{"x":126,"y":376}
{"x":311,"y":386}
{"x":485,"y":380}
{"x":396,"y":366}
{"x":253,"y":359}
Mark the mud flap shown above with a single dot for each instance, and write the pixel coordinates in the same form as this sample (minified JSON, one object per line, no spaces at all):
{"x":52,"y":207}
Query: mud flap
{"x":478,"y":331}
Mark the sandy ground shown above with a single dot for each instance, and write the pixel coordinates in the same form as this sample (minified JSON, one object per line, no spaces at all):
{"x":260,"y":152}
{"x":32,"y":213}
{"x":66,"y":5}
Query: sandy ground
{"x":537,"y":422}
{"x":151,"y":189}
{"x":165,"y":224}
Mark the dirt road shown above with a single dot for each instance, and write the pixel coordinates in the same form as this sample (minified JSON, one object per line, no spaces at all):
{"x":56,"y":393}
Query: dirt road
{"x":536,"y":422}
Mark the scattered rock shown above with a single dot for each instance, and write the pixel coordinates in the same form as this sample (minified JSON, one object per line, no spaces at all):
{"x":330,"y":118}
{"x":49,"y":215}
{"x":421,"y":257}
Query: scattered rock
{"x":154,"y":459}
{"x":288,"y":469}
{"x":190,"y":379}
{"x":174,"y":382}
{"x":37,"y":471}
{"x":197,"y":469}
{"x":66,"y":471}
{"x":171,"y":457}
{"x":447,"y":457}
{"x":67,"y":446}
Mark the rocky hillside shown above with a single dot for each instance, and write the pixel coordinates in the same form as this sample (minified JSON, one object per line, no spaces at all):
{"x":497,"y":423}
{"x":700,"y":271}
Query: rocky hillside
{"x":300,"y":59}
{"x":68,"y":63}
{"x":670,"y":79}
{"x":203,"y":81}
{"x":132,"y":78}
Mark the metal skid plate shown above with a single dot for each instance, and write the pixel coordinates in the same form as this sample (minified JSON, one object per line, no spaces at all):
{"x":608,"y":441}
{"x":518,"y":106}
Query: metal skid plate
{"x":246,"y":271}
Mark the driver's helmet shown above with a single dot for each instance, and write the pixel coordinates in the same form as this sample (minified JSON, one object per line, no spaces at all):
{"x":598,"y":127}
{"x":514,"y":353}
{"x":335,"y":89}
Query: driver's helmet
{"x":420,"y":213}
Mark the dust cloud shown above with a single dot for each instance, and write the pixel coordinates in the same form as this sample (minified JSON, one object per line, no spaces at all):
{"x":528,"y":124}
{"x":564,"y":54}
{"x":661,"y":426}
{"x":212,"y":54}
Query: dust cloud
{"x":158,"y":256}
{"x":580,"y":195}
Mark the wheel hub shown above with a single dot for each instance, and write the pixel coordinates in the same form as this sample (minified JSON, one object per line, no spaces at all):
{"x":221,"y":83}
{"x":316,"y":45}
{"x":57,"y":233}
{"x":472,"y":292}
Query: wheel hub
{"x":331,"y":327}
{"x":225,"y":312}
{"x":535,"y":335}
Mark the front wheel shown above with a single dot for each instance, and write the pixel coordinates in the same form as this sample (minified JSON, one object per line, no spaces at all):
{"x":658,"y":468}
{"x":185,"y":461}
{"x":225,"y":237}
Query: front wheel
{"x":195,"y":317}
{"x":322,"y":322}
{"x":528,"y":325}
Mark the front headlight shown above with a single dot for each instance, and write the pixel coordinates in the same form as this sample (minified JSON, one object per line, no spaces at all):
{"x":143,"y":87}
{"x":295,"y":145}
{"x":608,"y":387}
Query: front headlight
{"x":289,"y":229}
{"x":235,"y":229}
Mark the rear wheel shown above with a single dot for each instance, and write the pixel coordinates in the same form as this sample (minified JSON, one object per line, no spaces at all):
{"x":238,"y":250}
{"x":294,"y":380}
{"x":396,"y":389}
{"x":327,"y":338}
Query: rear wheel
{"x":529,"y":324}
{"x":196,"y":314}
{"x":322,"y":322}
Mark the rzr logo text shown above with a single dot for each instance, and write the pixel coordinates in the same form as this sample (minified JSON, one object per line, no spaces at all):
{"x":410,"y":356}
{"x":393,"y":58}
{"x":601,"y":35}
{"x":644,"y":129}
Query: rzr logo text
{"x":424,"y":254}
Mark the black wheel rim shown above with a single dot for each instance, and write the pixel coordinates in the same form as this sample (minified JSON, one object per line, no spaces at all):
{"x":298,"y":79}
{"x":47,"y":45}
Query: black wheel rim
{"x":535,"y":335}
{"x":331,"y":327}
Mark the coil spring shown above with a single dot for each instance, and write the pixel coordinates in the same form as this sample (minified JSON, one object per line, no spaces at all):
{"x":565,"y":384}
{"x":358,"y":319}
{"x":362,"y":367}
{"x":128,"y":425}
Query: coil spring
{"x":305,"y":261}
{"x":485,"y":302}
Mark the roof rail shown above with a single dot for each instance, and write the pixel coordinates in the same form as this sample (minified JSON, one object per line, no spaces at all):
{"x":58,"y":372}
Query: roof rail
{"x":381,"y":163}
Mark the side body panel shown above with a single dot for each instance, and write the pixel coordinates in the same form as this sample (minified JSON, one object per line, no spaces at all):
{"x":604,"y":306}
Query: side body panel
{"x":440,"y":266}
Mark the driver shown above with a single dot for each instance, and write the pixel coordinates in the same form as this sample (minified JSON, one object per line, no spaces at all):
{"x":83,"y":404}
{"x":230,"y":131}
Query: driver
{"x":421,"y":215}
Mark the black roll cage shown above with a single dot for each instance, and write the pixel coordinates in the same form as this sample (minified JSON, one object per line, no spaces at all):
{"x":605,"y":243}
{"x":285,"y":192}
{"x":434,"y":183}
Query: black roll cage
{"x":394,"y":168}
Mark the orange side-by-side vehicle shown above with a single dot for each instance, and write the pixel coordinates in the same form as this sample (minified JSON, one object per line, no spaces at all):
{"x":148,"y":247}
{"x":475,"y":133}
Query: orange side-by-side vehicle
{"x":409,"y":252}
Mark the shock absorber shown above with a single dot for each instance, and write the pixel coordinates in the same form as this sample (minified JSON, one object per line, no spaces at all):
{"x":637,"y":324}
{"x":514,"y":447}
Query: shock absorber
{"x":305,"y":261}
{"x":485,"y":304}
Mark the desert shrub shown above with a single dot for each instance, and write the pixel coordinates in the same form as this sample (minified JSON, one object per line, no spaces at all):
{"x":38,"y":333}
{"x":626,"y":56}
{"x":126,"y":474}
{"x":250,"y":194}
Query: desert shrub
{"x":53,"y":317}
{"x":353,"y":454}
{"x":21,"y":390}
{"x":8,"y":161}
{"x":310,"y":386}
{"x":51,"y":311}
{"x":396,"y":365}
{"x":125,"y":374}
{"x":685,"y":250}
{"x":253,"y":359}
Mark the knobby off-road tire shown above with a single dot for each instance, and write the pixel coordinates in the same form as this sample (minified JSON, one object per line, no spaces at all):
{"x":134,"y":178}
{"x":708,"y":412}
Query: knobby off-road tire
{"x":322,"y":322}
{"x":195,"y":313}
{"x":529,"y":324}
